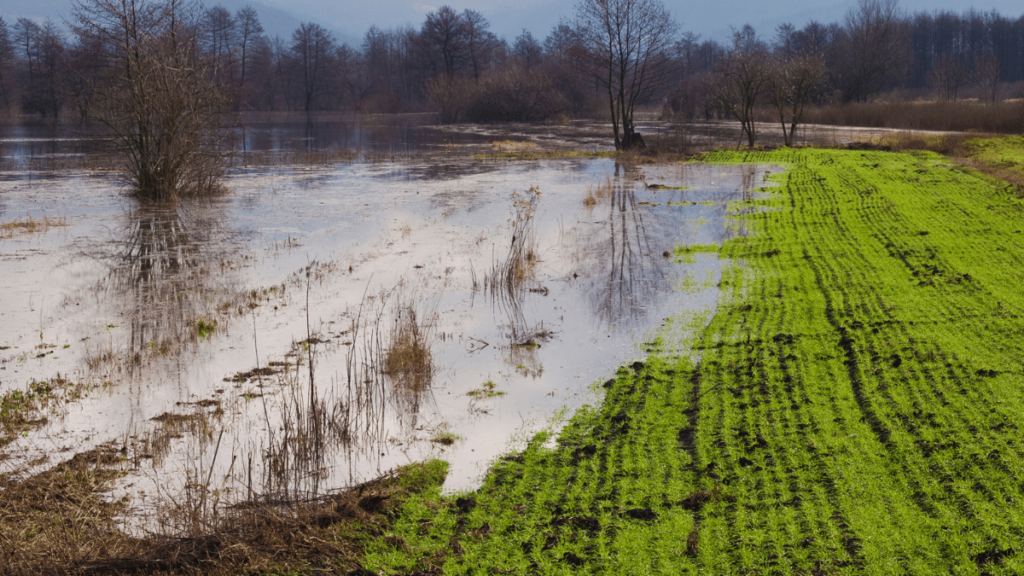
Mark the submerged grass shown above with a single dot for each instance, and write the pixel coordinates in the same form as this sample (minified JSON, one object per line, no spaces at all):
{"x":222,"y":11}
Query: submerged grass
{"x":30,"y":225}
{"x":856,"y":408}
{"x":22,"y":410}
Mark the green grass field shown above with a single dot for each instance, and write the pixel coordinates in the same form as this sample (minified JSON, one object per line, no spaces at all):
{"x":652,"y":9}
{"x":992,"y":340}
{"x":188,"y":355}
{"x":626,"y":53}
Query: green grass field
{"x":855,"y":406}
{"x":1006,"y":152}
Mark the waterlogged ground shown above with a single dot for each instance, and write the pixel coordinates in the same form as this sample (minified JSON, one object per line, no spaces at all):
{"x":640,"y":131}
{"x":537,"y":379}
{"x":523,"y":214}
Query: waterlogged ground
{"x":855,"y":408}
{"x":182,"y":338}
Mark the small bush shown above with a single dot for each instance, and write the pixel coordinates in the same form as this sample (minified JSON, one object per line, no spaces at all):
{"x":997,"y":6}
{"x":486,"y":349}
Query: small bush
{"x":449,"y":96}
{"x":516,"y":95}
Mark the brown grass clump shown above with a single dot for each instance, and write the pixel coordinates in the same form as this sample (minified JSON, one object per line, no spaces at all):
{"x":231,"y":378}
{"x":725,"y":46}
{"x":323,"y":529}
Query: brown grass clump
{"x":513,"y":146}
{"x":408,"y":360}
{"x":509,"y":275}
{"x":59,"y":522}
{"x":29,"y":226}
{"x":946,"y":144}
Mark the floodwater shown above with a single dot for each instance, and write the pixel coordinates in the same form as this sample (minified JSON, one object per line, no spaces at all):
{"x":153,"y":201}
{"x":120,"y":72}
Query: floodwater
{"x":316,"y":326}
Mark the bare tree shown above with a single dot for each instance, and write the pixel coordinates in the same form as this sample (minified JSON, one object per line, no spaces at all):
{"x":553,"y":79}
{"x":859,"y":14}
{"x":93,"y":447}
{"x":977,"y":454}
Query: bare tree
{"x":947,"y":76}
{"x":871,"y":48}
{"x":627,"y":45}
{"x":249,"y":31}
{"x":313,"y":48}
{"x":26,"y":39}
{"x":6,"y":62}
{"x":792,"y":82}
{"x":41,"y":80}
{"x":480,"y":41}
{"x":744,"y":73}
{"x":685,"y":52}
{"x":986,"y":75}
{"x":156,"y":96}
{"x":444,"y":42}
{"x":527,"y":49}
{"x":83,"y":65}
{"x":220,"y":36}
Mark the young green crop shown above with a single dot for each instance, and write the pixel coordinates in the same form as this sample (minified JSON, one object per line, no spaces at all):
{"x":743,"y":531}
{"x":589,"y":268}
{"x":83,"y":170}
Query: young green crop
{"x":855,"y":406}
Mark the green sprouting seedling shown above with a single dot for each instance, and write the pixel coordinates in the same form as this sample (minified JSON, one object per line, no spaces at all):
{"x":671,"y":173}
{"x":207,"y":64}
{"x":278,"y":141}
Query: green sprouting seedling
{"x":488,"y":390}
{"x":205,"y":328}
{"x":445,"y":438}
{"x":857,"y":400}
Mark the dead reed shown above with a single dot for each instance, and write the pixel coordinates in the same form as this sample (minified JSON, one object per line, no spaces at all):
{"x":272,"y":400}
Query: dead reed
{"x":509,"y":274}
{"x":408,"y":360}
{"x":1003,"y":118}
{"x":60,"y":522}
{"x":30,"y":225}
{"x":951,"y":144}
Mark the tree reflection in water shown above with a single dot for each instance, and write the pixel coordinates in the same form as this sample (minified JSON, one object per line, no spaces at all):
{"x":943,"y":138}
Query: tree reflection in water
{"x":617,"y":258}
{"x":621,"y":258}
{"x":168,"y":263}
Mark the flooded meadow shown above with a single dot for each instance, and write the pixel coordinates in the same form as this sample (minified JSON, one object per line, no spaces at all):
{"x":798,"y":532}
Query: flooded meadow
{"x":320,"y":323}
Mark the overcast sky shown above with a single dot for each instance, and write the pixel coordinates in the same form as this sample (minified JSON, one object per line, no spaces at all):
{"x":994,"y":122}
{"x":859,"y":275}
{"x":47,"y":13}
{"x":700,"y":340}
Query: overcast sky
{"x":351,"y":18}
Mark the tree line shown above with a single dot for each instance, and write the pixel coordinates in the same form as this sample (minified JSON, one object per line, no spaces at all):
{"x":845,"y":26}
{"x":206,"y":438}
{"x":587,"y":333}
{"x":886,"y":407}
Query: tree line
{"x":454,"y":64}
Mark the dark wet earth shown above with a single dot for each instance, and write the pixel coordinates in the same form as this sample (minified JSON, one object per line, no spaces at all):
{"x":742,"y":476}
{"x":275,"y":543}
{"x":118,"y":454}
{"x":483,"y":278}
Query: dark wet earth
{"x":186,"y":335}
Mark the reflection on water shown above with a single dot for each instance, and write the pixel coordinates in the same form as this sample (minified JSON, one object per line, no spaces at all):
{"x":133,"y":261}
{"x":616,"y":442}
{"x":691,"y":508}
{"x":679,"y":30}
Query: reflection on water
{"x":167,"y":271}
{"x":618,"y":257}
{"x":349,"y":313}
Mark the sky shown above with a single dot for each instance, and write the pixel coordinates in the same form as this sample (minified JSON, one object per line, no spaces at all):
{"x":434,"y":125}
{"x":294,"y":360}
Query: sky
{"x":349,"y":19}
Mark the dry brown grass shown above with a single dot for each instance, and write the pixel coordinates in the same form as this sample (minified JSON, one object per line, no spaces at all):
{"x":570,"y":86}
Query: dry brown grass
{"x":60,"y":522}
{"x":1003,"y":118}
{"x":30,"y":226}
{"x":947,"y":144}
{"x":513,"y":146}
{"x":509,"y":275}
{"x":57,"y":520}
{"x":408,"y":360}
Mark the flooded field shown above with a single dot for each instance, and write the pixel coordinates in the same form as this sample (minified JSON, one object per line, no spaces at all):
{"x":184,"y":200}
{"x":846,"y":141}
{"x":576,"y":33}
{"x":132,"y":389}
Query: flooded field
{"x":316,"y":326}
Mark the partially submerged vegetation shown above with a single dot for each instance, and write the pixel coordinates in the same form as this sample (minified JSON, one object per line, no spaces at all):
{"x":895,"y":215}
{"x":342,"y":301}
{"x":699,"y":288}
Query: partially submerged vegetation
{"x":856,"y":406}
{"x":853,"y":407}
{"x":29,"y":225}
{"x":22,"y":410}
{"x":62,"y":522}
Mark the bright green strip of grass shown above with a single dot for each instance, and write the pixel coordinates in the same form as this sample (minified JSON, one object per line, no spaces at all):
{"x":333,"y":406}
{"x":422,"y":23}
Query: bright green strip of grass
{"x":1007,"y":152}
{"x":858,"y":406}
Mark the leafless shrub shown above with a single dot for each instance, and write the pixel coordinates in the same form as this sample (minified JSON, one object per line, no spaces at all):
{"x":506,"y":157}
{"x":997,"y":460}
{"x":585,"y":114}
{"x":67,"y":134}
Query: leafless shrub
{"x":158,"y":98}
{"x":516,"y":95}
{"x":450,"y":95}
